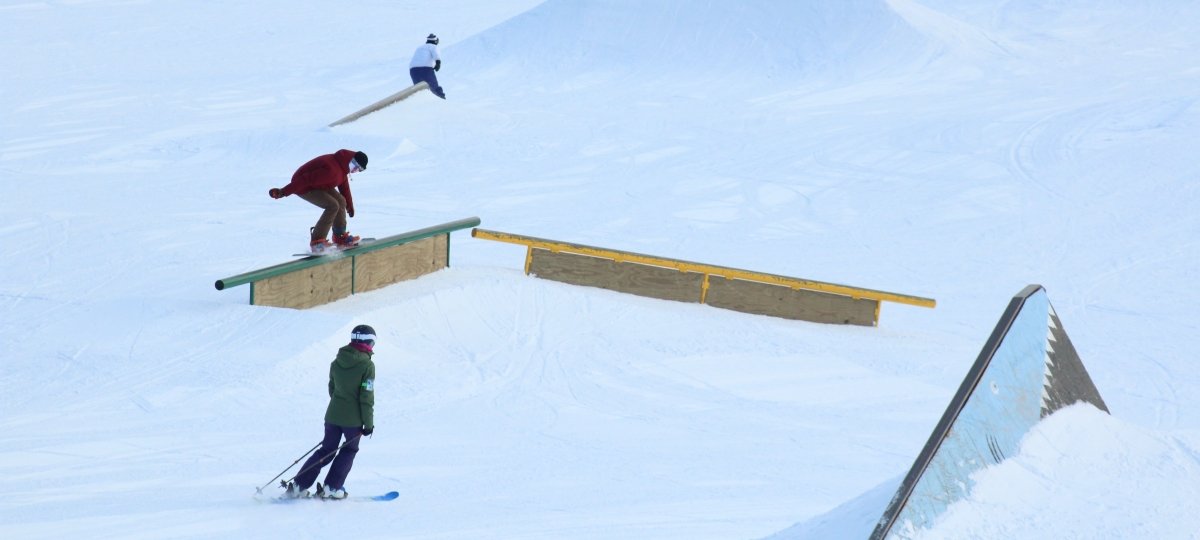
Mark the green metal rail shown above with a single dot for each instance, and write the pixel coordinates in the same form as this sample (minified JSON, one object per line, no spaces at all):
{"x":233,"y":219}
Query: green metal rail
{"x":308,"y":262}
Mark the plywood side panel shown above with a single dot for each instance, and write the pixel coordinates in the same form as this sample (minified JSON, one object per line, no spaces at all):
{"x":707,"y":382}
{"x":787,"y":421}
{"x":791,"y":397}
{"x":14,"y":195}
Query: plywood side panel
{"x":779,"y":301}
{"x":633,"y":278}
{"x":399,"y":263}
{"x":305,"y":288}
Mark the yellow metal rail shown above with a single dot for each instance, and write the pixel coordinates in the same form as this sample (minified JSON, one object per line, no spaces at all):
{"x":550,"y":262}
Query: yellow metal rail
{"x":706,"y":269}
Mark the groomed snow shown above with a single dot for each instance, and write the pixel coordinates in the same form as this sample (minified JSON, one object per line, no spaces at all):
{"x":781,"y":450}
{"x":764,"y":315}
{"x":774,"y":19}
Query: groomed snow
{"x":958,"y":150}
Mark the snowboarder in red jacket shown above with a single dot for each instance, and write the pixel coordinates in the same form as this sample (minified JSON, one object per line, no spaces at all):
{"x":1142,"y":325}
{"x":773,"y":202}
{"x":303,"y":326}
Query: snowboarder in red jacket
{"x":325,"y":182}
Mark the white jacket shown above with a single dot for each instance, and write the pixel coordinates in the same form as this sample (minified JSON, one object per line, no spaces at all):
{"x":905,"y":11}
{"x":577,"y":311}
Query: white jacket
{"x":425,"y":56}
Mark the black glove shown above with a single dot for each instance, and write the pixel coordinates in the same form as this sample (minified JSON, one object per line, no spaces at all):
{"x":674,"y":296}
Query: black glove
{"x":275,"y":193}
{"x":368,"y":431}
{"x":437,"y":65}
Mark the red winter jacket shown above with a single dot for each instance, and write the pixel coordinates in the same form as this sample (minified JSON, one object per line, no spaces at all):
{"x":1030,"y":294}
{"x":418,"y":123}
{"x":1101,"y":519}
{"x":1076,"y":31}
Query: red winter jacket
{"x":324,"y":172}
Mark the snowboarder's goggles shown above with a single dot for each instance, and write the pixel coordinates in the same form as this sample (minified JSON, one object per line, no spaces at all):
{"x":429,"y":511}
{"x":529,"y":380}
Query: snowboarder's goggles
{"x":355,"y":167}
{"x":357,"y":336}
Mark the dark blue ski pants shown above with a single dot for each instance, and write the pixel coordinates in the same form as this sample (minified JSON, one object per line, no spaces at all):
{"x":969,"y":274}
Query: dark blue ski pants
{"x":427,"y":74}
{"x":342,"y":462}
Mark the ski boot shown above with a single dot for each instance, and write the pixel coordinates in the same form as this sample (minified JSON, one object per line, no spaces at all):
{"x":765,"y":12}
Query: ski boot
{"x":330,"y":493}
{"x":335,"y":494}
{"x":292,"y":491}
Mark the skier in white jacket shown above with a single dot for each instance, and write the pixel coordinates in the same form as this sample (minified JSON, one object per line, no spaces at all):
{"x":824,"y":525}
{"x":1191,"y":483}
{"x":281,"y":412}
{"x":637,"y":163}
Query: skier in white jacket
{"x":425,"y":62}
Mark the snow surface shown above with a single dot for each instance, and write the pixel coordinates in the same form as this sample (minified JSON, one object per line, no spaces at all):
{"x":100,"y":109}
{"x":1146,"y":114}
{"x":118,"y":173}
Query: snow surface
{"x":953,"y":149}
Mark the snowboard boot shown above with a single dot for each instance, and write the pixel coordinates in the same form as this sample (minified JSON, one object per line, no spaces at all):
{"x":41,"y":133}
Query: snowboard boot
{"x":345,"y":240}
{"x":321,"y":245}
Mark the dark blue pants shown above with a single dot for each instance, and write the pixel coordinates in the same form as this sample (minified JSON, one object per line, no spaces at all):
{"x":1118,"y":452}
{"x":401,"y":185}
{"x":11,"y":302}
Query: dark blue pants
{"x":342,"y":462}
{"x":427,"y":74}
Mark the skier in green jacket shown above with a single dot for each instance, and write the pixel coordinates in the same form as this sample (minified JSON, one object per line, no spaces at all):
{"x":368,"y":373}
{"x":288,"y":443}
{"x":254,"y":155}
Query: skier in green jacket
{"x":350,"y":415}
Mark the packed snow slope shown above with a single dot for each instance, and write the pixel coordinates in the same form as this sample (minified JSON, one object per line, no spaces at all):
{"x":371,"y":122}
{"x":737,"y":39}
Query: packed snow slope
{"x":958,"y":150}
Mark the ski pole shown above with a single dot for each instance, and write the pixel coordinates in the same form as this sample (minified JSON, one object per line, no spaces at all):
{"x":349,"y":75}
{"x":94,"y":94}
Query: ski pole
{"x":319,"y":462}
{"x":259,"y":490}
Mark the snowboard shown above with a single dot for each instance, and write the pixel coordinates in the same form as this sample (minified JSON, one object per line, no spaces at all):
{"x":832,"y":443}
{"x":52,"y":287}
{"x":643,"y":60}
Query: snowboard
{"x":389,"y":496}
{"x":336,"y":252}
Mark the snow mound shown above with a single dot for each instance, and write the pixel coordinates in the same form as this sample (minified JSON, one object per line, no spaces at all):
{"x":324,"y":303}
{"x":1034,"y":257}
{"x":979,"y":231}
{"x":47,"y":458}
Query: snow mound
{"x":757,"y":39}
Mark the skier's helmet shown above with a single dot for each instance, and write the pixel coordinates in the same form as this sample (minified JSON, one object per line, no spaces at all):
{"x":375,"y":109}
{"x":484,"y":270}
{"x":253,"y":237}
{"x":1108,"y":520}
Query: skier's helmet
{"x":363,"y":334}
{"x":361,"y":160}
{"x":432,"y":38}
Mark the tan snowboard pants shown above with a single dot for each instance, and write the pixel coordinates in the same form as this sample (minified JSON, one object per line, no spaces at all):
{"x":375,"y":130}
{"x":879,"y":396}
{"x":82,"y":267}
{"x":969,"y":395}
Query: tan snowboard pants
{"x":335,"y":211}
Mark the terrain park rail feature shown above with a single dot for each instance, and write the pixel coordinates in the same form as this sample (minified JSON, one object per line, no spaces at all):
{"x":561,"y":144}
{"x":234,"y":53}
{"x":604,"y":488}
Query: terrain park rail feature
{"x":385,"y":102}
{"x":317,"y":280}
{"x":1027,"y":370}
{"x":746,"y":291}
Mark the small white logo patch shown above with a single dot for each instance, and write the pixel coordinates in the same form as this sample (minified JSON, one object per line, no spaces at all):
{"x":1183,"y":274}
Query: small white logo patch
{"x":369,"y":385}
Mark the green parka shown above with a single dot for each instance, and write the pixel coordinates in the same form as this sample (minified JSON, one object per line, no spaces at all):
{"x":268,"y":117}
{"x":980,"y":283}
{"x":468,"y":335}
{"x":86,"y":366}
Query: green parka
{"x":351,"y":389}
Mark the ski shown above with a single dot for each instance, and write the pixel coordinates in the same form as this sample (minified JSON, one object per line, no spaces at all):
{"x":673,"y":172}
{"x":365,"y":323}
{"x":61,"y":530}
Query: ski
{"x":389,"y":496}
